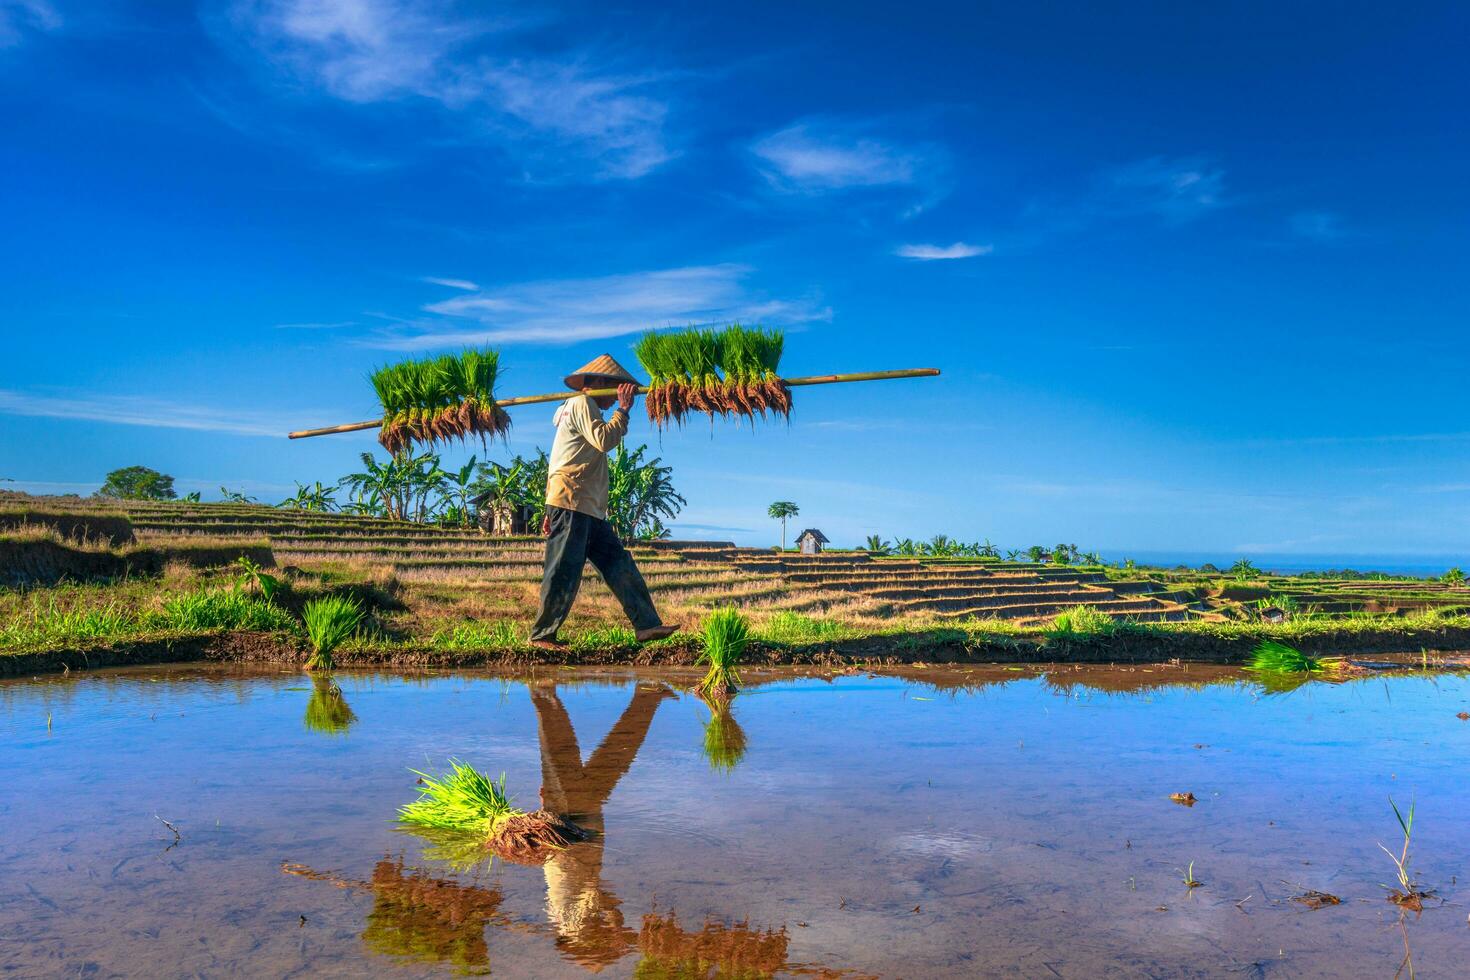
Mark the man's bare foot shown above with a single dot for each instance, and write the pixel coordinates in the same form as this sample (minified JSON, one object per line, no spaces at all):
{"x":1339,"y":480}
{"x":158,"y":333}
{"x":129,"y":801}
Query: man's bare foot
{"x":555,"y":646}
{"x":656,"y":632}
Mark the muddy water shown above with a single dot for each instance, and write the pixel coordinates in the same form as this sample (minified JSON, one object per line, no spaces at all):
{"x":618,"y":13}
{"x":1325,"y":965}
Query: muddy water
{"x":995,"y":822}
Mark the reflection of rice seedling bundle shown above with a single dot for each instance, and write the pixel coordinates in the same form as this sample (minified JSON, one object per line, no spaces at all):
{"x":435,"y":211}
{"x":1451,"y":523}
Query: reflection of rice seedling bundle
{"x":730,"y":372}
{"x":724,"y":740}
{"x":467,"y":800}
{"x":327,"y":711}
{"x":436,"y":399}
{"x":726,"y":634}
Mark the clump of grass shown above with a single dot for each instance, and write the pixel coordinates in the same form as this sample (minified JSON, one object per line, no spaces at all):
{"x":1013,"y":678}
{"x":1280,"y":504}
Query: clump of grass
{"x":467,"y":801}
{"x":600,"y":638}
{"x":1082,"y":621}
{"x":724,"y":740}
{"x":500,"y":634}
{"x":53,"y":626}
{"x":794,"y":628}
{"x":221,"y":609}
{"x":330,"y":620}
{"x":1287,"y":606}
{"x":726,"y":635}
{"x":327,"y":710}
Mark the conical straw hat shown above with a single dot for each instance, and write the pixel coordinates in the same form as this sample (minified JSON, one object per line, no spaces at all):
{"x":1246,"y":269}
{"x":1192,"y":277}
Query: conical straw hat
{"x":600,"y":367}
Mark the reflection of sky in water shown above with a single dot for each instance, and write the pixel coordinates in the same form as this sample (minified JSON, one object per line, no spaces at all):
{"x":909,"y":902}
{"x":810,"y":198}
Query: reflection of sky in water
{"x":1025,"y":817}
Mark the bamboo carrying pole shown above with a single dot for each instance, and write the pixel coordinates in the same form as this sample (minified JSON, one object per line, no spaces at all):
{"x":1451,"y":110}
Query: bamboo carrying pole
{"x":561,"y":396}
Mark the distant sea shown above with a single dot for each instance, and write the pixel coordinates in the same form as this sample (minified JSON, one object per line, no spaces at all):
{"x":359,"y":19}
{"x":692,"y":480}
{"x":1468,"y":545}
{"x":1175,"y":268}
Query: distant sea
{"x":1418,"y":566}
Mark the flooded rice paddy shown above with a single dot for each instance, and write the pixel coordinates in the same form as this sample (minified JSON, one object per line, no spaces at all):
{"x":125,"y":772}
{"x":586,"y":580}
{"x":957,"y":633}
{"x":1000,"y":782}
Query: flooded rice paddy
{"x":210,"y":821}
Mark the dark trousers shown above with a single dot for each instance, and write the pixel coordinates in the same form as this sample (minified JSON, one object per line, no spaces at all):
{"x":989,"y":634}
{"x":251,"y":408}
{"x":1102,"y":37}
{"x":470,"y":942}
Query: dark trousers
{"x":575,"y":539}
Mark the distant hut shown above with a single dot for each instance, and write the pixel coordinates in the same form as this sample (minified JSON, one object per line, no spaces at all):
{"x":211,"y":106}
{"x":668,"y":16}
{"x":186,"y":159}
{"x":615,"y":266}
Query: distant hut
{"x":504,"y":519}
{"x":810,"y":541}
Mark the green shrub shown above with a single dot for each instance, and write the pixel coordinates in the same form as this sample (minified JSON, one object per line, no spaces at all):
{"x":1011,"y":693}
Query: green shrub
{"x":330,"y":620}
{"x":221,"y":609}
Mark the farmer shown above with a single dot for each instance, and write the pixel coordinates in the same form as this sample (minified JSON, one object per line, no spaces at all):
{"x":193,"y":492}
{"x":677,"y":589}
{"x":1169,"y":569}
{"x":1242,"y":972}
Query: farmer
{"x":576,"y":526}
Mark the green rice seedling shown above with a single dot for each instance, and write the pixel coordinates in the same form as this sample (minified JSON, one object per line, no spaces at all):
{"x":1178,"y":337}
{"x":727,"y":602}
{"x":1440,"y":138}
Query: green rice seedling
{"x":1408,"y":894}
{"x":1276,"y":657}
{"x":732,"y":371}
{"x":330,"y":620}
{"x":327,"y":710}
{"x":436,"y":399}
{"x":220,"y":609}
{"x":1190,"y":881}
{"x":463,"y":799}
{"x":1082,"y":621}
{"x":726,"y":635}
{"x":468,"y":801}
{"x":724,"y":740}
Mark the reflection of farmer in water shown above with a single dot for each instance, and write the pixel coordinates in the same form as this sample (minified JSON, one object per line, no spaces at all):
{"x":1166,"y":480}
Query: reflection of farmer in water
{"x":587,"y":917}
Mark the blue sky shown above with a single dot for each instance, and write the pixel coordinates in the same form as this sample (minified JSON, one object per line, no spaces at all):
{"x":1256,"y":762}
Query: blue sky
{"x":1196,"y":278}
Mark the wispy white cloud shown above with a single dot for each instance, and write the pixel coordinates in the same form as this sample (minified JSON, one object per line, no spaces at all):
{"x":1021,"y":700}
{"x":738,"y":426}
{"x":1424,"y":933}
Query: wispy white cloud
{"x":822,"y":156}
{"x":1318,"y":226}
{"x":17,"y":17}
{"x":565,"y":311}
{"x":1177,"y":190}
{"x":451,"y":283}
{"x":931,"y":253}
{"x":150,"y":412}
{"x":316,"y":326}
{"x":556,"y":110}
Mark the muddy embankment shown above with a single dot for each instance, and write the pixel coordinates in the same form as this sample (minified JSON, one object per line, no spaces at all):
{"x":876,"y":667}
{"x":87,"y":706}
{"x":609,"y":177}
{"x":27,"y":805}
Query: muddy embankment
{"x":939,"y":647}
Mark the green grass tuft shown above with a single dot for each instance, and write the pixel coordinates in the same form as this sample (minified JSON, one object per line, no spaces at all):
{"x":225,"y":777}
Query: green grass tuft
{"x":221,"y":609}
{"x":330,"y":620}
{"x":1083,"y":621}
{"x":462,"y":799}
{"x":54,"y":626}
{"x":794,"y":629}
{"x":498,"y":635}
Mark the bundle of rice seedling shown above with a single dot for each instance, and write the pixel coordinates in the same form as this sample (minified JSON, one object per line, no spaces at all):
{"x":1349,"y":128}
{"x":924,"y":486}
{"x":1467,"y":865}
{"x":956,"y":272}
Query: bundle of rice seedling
{"x":1275,"y":657}
{"x":330,"y":620}
{"x":726,"y":635}
{"x":467,"y":800}
{"x":436,"y":399}
{"x":730,"y":372}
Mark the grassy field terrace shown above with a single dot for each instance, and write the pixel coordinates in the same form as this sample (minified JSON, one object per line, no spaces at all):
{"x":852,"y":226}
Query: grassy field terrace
{"x":83,"y":577}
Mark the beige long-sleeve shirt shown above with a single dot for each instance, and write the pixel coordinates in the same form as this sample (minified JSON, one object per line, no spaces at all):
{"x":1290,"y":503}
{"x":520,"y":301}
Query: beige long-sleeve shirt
{"x":578,"y":467}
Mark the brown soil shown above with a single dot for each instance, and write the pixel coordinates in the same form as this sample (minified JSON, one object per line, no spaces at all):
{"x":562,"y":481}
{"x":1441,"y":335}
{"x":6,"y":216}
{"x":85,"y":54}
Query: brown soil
{"x":1313,"y":899}
{"x":1183,"y":799}
{"x":1413,"y":901}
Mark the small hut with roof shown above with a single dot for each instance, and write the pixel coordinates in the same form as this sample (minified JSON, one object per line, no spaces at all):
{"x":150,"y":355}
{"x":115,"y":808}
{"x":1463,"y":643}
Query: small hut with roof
{"x":810,"y":541}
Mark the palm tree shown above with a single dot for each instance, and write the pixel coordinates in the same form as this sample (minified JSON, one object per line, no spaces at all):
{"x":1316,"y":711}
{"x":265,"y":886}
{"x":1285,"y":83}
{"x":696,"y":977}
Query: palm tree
{"x":1454,"y":576}
{"x":780,"y":511}
{"x":1245,"y":569}
{"x":876,"y":545}
{"x":988,"y":550}
{"x":461,"y":486}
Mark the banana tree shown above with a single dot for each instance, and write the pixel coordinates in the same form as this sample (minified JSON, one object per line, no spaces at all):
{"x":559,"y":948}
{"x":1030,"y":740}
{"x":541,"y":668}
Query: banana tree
{"x":314,"y":498}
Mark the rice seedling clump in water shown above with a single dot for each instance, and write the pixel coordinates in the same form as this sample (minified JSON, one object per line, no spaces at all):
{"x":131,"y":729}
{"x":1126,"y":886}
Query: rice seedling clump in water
{"x":436,"y":399}
{"x":730,"y":372}
{"x":466,"y":800}
{"x":726,"y":635}
{"x":330,"y":620}
{"x":1275,"y":657}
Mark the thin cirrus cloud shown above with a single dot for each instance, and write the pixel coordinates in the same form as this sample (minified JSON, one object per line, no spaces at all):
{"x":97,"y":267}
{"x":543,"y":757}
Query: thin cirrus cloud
{"x":935,"y":253}
{"x":464,"y":284}
{"x":21,"y":17}
{"x":1177,"y":190}
{"x":149,"y":412}
{"x":1318,"y":226}
{"x":561,"y":113}
{"x":823,"y":156}
{"x":567,"y":311}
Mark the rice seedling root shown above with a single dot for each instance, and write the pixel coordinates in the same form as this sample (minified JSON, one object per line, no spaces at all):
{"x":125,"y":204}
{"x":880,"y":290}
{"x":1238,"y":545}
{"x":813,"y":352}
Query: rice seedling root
{"x":532,"y":838}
